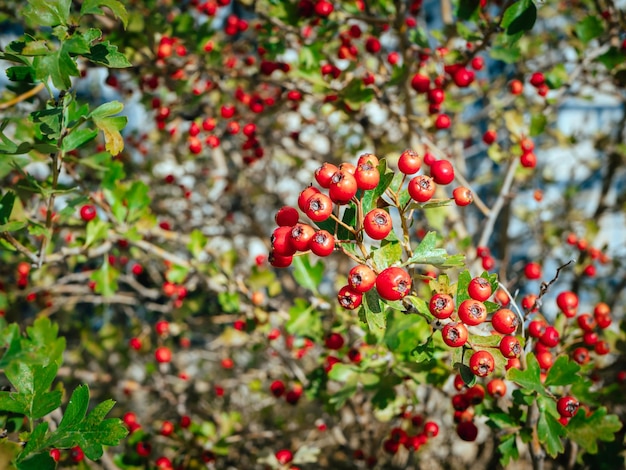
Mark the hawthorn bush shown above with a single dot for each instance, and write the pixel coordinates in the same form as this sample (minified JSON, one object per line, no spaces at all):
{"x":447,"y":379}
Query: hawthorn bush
{"x":443,"y":180}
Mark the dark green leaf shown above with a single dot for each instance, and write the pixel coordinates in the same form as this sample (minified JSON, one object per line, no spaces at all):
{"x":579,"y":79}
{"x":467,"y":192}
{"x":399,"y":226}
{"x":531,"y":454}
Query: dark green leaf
{"x":589,"y":28}
{"x":92,"y":7}
{"x":306,"y":274}
{"x":469,"y":378}
{"x":58,"y":66}
{"x":403,"y":331}
{"x":563,"y":372}
{"x":502,"y":421}
{"x":550,"y":431}
{"x":49,"y":121}
{"x":528,"y":379}
{"x":6,"y":207}
{"x":36,"y":438}
{"x":587,"y":431}
{"x":612,"y":58}
{"x":47,"y":12}
{"x":461,"y":287}
{"x":21,"y":73}
{"x":557,"y":76}
{"x":349,"y":218}
{"x":76,"y":408}
{"x":386,"y":255}
{"x":77,"y":138}
{"x":467,"y":8}
{"x":370,"y":198}
{"x":374,"y":311}
{"x":423,"y":352}
{"x":41,"y":461}
{"x":519,"y":17}
{"x":107,"y":54}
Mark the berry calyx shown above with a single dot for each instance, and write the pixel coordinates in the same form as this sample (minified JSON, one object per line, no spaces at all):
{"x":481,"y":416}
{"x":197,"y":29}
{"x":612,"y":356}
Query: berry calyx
{"x":472,"y":312}
{"x":422,"y":188}
{"x":361,"y":278}
{"x":455,"y":334}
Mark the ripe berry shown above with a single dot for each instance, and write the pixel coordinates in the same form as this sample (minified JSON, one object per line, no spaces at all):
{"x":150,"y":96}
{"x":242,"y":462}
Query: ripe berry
{"x":367,"y":175}
{"x":284,"y":456}
{"x":442,"y":172}
{"x":361,"y":278}
{"x":496,"y":388}
{"x":301,"y":235}
{"x":319,"y":207}
{"x":581,"y":355}
{"x":601,"y":348}
{"x":528,"y":160}
{"x":372,"y":45}
{"x":482,"y":363}
{"x":163,"y":354}
{"x":277,"y":387}
{"x":393,"y":283}
{"x":279,"y":261}
{"x":475,"y":394}
{"x":567,"y":301}
{"x":324,"y":174}
{"x":510,"y":347}
{"x":478,"y":63}
{"x":532,"y":270}
{"x":586,"y":322}
{"x":436,"y":96}
{"x":467,"y":431}
{"x":431,"y":429}
{"x":545,"y":359}
{"x":462,"y":196}
{"x":88,"y":212}
{"x":442,"y":121}
{"x":55,"y":454}
{"x":537,"y":79}
{"x":377,"y":224}
{"x":479,"y":289}
{"x":343,"y":187}
{"x":322,"y":243}
{"x":77,"y":454}
{"x":441,"y":306}
{"x":420,"y":83}
{"x":286,"y":216}
{"x":334,"y":341}
{"x":422,"y":188}
{"x":281,"y":241}
{"x":305,"y":195}
{"x":463,"y":77}
{"x":516,"y":87}
{"x":590,"y":338}
{"x":489,"y":137}
{"x":472,"y":312}
{"x":504,"y":321}
{"x":454,"y":334}
{"x":409,"y":162}
{"x":567,"y":406}
{"x":550,"y":337}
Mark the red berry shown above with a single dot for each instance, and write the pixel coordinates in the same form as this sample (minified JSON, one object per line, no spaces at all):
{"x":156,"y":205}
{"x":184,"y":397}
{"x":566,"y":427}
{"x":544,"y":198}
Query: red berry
{"x":528,"y":160}
{"x":163,"y":354}
{"x":377,"y":224}
{"x":277,"y":387}
{"x":441,"y":306}
{"x":550,"y":337}
{"x":319,"y":207}
{"x":467,"y":431}
{"x":462,"y":196}
{"x":284,"y":456}
{"x":420,"y":83}
{"x":55,"y":454}
{"x":361,"y":278}
{"x":334,"y":341}
{"x":442,"y":122}
{"x":367,"y":175}
{"x":586,"y":322}
{"x":472,"y":312}
{"x":88,"y":212}
{"x":568,"y":303}
{"x":581,"y":355}
{"x":324,"y":174}
{"x":305,"y":195}
{"x":393,"y":283}
{"x":442,"y":172}
{"x":601,"y":348}
{"x":281,"y":241}
{"x":537,"y":79}
{"x":286,"y":216}
{"x":479,"y":289}
{"x":567,"y":406}
{"x":505,"y":321}
{"x":431,"y":429}
{"x":343,"y":186}
{"x":496,"y":388}
{"x":422,"y":188}
{"x":478,"y":63}
{"x":463,"y":77}
{"x":454,"y":334}
{"x":516,"y":87}
{"x":279,"y":261}
{"x":77,"y":454}
{"x":510,"y":347}
{"x":322,"y":243}
{"x":532,"y":270}
{"x":489,"y":137}
{"x":301,"y":235}
{"x":409,"y":162}
{"x":482,"y":363}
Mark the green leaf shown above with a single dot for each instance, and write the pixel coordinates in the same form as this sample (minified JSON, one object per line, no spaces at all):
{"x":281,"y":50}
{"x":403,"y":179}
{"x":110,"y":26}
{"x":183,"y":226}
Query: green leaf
{"x":105,"y":53}
{"x":589,"y":28}
{"x":538,"y":124}
{"x":349,"y":218}
{"x":388,"y":254}
{"x":6,"y":207}
{"x":509,"y":55}
{"x":36,"y":438}
{"x":304,"y":320}
{"x":47,"y":12}
{"x":528,"y":379}
{"x":306,"y":274}
{"x":467,"y":8}
{"x":427,"y":253}
{"x":612,"y":58}
{"x":76,"y":408}
{"x":423,"y":352}
{"x":563,"y":372}
{"x":403,"y":331}
{"x":373,"y":308}
{"x":41,"y":461}
{"x":370,"y":198}
{"x":502,"y":421}
{"x":58,"y":66}
{"x":557,"y":76}
{"x":418,"y":36}
{"x":343,"y":373}
{"x":77,"y":138}
{"x":519,"y":17}
{"x":49,"y":121}
{"x":508,"y":449}
{"x":197,"y":242}
{"x":550,"y":431}
{"x":105,"y":279}
{"x":97,"y":230}
{"x":588,"y":430}
{"x":92,"y":7}
{"x":21,"y":73}
{"x":33,"y":48}
{"x":32,"y":382}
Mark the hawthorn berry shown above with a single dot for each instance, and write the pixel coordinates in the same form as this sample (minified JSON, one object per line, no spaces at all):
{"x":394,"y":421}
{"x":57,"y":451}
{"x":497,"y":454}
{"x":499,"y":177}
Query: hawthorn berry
{"x":377,"y":224}
{"x":496,"y":388}
{"x":361,"y":278}
{"x":510,"y":347}
{"x":528,"y":160}
{"x":532,"y":270}
{"x":516,"y":87}
{"x":442,"y":121}
{"x":567,"y":406}
{"x":349,"y":298}
{"x":284,"y":456}
{"x":586,"y":322}
{"x":305,"y":195}
{"x":88,"y":212}
{"x":277,"y":388}
{"x":319,"y":207}
{"x":442,"y":172}
{"x":422,"y":188}
{"x":343,"y":186}
{"x":479,"y":289}
{"x":279,"y":261}
{"x":545,"y":359}
{"x":467,"y":431}
{"x":472,"y":312}
{"x":441,"y":306}
{"x":366,"y":174}
{"x":475,"y":394}
{"x":301,"y":235}
{"x":601,"y":347}
{"x":55,"y":454}
{"x":334,"y":341}
{"x":550,"y":337}
{"x":505,"y":321}
{"x":77,"y":454}
{"x":286,"y":216}
{"x":409,"y":162}
{"x":393,"y":283}
{"x":581,"y":355}
{"x":431,"y":429}
{"x":324,"y":174}
{"x":420,"y":83}
{"x":455,"y":334}
{"x":281,"y":241}
{"x":163,"y":354}
{"x":482,"y":363}
{"x":322,"y":243}
{"x":462,"y":196}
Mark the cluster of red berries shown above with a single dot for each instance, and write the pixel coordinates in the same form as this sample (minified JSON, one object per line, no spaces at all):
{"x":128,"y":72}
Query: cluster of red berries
{"x":588,"y":254}
{"x":473,"y":312}
{"x":292,"y":396}
{"x":418,"y":434}
{"x":75,"y":454}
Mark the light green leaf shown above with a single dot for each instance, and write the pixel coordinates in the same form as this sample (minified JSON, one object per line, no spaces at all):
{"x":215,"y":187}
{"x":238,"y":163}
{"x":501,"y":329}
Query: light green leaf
{"x":47,"y":12}
{"x":389,"y":253}
{"x":105,"y":279}
{"x":92,"y":7}
{"x":589,"y":28}
{"x":104,"y":53}
{"x":563,"y":372}
{"x":373,"y":308}
{"x":538,"y":124}
{"x":306,"y":274}
{"x":304,"y":321}
{"x":96,"y":230}
{"x":587,"y":431}
{"x":77,"y":138}
{"x":197,"y":242}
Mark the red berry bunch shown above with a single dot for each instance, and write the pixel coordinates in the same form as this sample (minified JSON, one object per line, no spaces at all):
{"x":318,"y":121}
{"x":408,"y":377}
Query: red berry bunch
{"x":412,"y":434}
